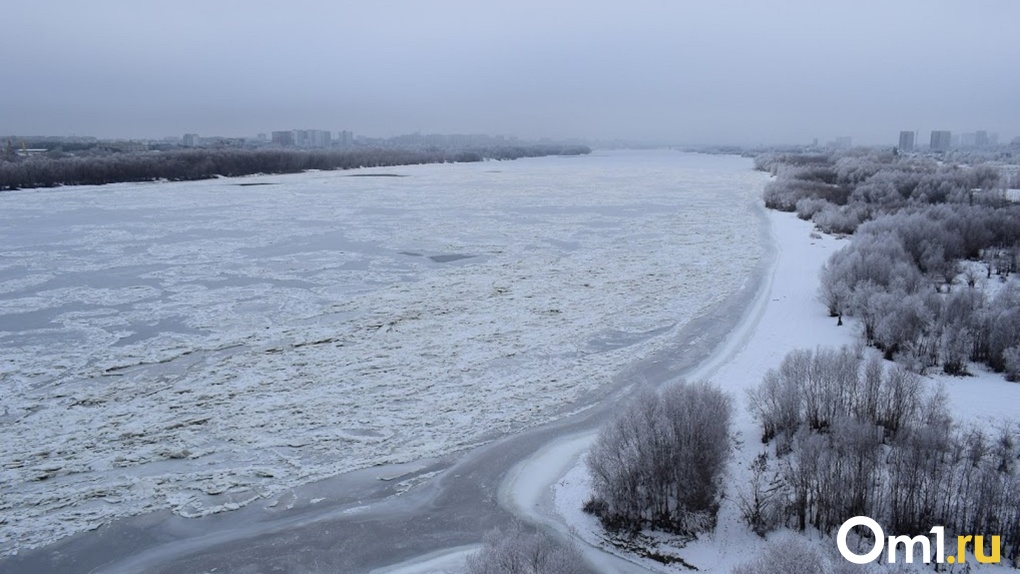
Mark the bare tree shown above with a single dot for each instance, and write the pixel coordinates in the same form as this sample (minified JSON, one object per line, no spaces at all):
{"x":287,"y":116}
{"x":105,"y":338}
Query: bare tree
{"x":787,"y":554}
{"x":518,"y":550}
{"x":659,"y":463}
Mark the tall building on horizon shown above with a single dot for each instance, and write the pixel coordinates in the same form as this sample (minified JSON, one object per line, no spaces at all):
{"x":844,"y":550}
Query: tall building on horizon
{"x":283,"y":138}
{"x":906,"y":141}
{"x":941,"y":140}
{"x":312,"y":138}
{"x":303,"y":138}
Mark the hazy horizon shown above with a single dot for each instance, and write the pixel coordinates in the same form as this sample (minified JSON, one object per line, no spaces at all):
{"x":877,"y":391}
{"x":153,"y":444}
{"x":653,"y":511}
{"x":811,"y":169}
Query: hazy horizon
{"x":691,"y":72}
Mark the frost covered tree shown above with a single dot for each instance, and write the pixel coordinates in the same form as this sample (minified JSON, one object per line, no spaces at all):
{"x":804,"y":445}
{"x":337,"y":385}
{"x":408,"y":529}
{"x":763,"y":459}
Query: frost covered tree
{"x":659,"y":463}
{"x":762,"y":503}
{"x":885,"y":279}
{"x":1011,"y":361}
{"x":835,"y":293}
{"x":889,"y":450}
{"x":787,"y":554}
{"x":517,"y":550}
{"x":101,"y":167}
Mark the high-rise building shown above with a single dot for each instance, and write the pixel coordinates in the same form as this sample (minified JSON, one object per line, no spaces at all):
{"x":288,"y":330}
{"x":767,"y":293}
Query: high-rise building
{"x":981,"y":138}
{"x":312,"y":138}
{"x":285,"y":139}
{"x":906,"y":141}
{"x":345,"y":138}
{"x":941,"y":140}
{"x":190,"y":140}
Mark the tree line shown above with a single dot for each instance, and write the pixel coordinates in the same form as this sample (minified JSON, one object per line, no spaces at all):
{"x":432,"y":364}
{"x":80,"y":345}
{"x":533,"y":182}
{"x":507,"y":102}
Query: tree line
{"x":96,"y":168}
{"x":839,"y":191}
{"x":850,"y":437}
{"x":933,"y":288}
{"x":934,"y":245}
{"x":658,"y":464}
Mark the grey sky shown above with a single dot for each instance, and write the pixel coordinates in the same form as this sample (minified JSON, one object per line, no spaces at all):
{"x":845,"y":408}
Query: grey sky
{"x":707,"y":71}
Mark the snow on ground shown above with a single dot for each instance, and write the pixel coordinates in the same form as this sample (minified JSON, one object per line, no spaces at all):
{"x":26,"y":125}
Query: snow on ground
{"x":199,"y":346}
{"x":788,"y":317}
{"x":984,"y":398}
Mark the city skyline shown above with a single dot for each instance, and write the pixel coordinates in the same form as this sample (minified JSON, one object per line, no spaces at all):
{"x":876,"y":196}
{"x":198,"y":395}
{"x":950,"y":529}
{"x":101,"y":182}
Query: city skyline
{"x":908,"y":140}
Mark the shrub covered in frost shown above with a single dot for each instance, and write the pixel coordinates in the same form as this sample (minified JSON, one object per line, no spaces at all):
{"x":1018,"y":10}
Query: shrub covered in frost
{"x":659,"y":463}
{"x":518,"y":550}
{"x":847,"y":437}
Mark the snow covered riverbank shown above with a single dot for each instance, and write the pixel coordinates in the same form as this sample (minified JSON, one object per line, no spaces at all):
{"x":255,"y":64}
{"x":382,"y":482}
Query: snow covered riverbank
{"x":788,"y":316}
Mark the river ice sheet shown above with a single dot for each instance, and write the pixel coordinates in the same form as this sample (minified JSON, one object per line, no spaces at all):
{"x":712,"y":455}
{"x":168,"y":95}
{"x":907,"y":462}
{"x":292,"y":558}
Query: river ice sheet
{"x":199,"y":346}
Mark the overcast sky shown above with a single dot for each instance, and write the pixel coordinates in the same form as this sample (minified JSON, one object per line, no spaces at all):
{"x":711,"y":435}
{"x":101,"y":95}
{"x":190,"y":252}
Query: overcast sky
{"x":705,"y":71}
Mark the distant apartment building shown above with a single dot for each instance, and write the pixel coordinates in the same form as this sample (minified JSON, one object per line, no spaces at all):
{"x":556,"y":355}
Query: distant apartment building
{"x":313,"y":138}
{"x":980,"y":138}
{"x":941,"y":140}
{"x":191,"y":140}
{"x":322,"y":138}
{"x":221,"y":142}
{"x":126,"y":146}
{"x":906,"y":141}
{"x":345,"y":138}
{"x":285,"y":139}
{"x":409,"y":140}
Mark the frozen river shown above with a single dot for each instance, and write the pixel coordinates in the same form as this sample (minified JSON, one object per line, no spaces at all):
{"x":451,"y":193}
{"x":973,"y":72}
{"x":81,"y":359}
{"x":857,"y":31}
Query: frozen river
{"x":198,"y":347}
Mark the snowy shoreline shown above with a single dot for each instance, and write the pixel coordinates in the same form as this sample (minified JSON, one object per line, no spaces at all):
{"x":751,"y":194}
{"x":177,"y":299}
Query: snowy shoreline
{"x":787,"y":316}
{"x":785,"y":304}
